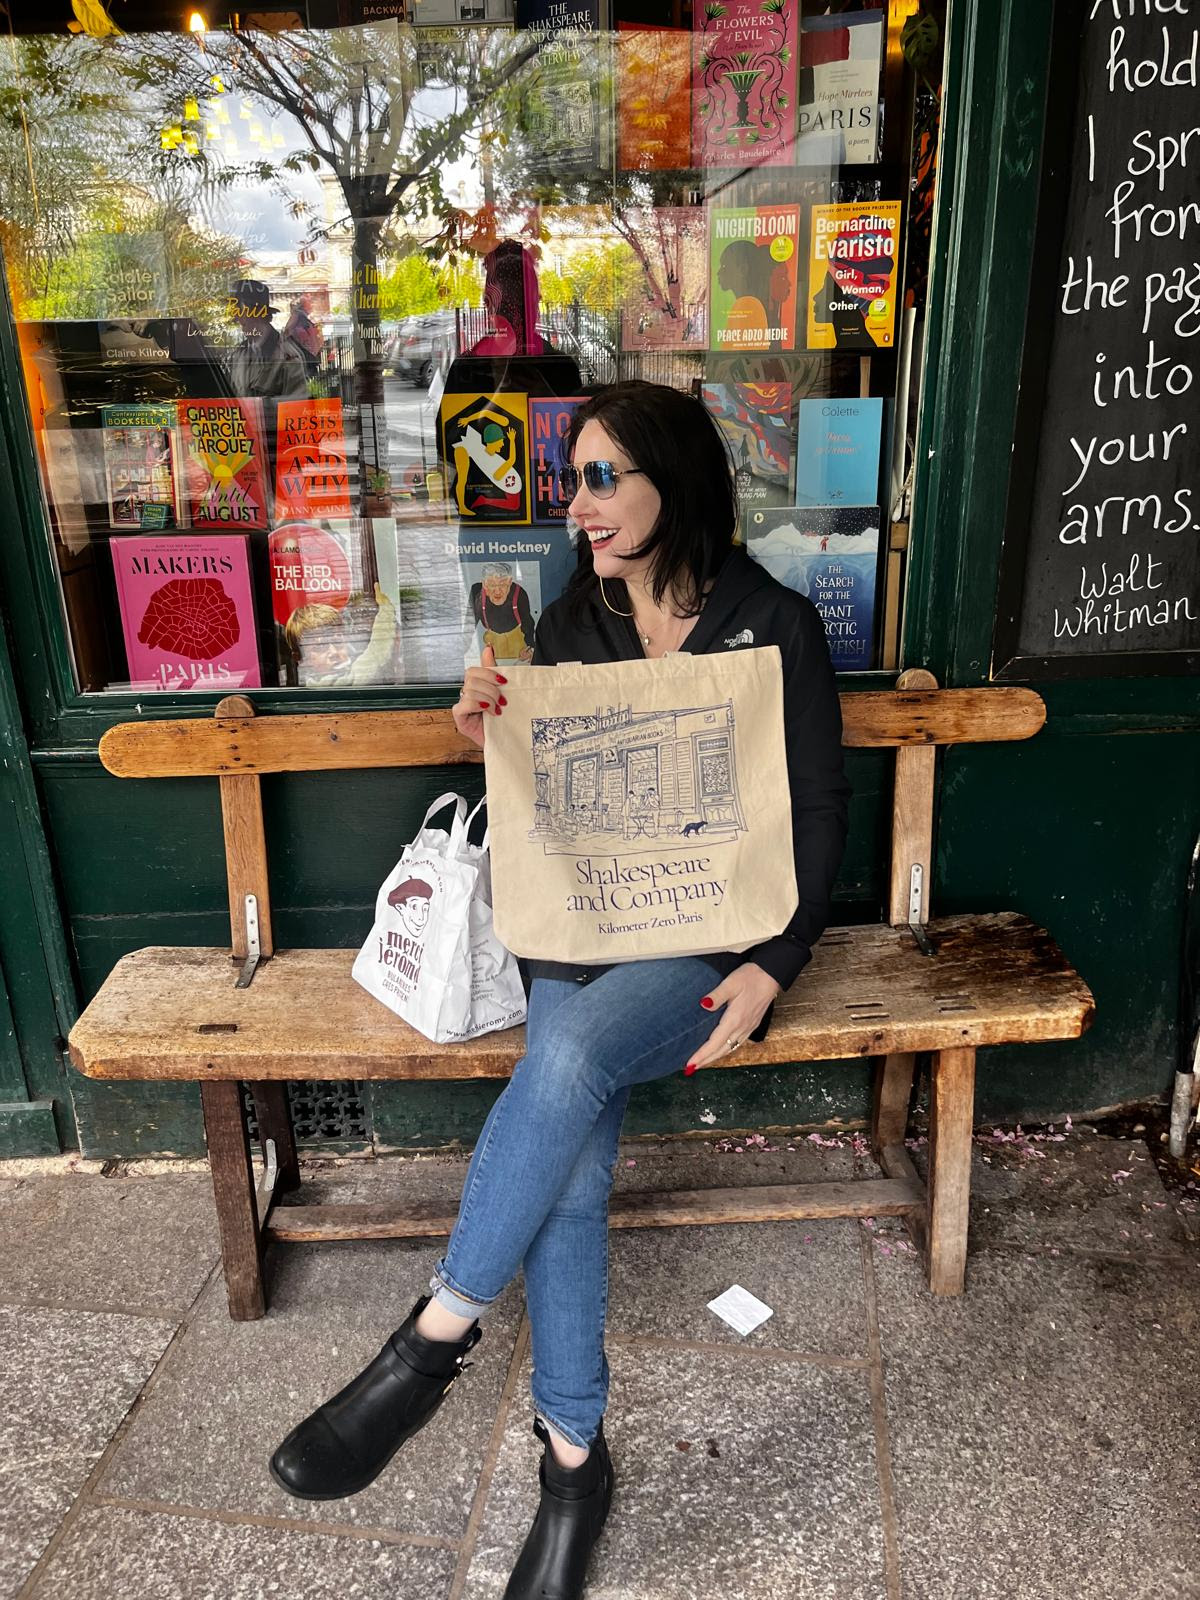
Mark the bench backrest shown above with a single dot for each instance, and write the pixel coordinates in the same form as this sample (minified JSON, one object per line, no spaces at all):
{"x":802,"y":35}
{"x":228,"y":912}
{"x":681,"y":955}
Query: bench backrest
{"x":237,"y":747}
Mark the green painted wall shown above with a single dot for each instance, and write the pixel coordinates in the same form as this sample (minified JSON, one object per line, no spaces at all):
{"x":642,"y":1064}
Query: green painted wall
{"x":1087,"y":828}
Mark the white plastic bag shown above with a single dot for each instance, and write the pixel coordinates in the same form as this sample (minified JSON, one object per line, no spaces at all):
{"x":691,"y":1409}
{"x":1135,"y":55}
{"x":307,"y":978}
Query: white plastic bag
{"x":432,"y":956}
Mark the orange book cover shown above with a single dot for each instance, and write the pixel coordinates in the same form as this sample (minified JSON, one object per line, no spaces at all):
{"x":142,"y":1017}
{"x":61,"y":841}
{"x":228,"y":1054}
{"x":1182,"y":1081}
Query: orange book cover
{"x":311,"y":478}
{"x":654,"y":98}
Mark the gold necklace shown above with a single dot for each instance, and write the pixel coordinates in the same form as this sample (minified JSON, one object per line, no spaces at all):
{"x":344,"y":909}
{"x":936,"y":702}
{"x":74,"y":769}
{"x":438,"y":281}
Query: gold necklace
{"x":644,"y":637}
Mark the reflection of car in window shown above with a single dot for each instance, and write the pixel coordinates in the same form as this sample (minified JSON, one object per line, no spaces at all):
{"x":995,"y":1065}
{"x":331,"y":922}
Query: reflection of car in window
{"x":422,"y":346}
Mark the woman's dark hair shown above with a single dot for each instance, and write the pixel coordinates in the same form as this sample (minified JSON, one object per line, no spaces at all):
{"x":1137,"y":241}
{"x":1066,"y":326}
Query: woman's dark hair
{"x":672,"y":438}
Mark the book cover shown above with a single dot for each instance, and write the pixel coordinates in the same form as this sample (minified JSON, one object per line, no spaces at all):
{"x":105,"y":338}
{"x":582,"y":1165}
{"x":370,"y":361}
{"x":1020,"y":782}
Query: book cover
{"x":755,"y":420}
{"x":667,"y":306}
{"x":140,"y":466}
{"x":744,"y":82}
{"x":456,"y":13}
{"x":561,"y":107}
{"x":223,"y":463}
{"x":830,"y":554}
{"x":654,"y":98}
{"x":311,"y":476}
{"x":310,"y":565}
{"x":506,"y":582}
{"x":837,"y":452}
{"x":549,"y":420}
{"x":853,"y":252}
{"x":755,"y":260}
{"x":485,"y":450}
{"x":838,"y":120}
{"x":187,"y":612}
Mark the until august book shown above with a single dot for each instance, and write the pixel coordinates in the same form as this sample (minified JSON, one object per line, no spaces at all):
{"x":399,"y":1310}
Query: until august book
{"x":485,"y":447}
{"x":223,"y":463}
{"x":187,"y":612}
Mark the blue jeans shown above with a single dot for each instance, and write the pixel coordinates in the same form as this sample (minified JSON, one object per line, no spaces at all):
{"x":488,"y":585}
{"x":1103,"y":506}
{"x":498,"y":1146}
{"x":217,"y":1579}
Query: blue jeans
{"x":536,"y":1192}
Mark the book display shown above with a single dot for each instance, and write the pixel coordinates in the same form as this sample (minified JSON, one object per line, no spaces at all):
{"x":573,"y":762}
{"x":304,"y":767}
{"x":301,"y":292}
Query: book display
{"x":348,"y":408}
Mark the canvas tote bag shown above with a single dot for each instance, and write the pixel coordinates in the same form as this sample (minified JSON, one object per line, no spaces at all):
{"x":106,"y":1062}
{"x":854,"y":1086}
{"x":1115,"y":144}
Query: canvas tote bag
{"x":641,"y":808}
{"x":432,"y":956}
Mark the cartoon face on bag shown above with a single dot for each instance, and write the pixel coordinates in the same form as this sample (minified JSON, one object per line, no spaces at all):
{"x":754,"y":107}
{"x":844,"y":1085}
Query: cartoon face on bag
{"x":411,"y":901}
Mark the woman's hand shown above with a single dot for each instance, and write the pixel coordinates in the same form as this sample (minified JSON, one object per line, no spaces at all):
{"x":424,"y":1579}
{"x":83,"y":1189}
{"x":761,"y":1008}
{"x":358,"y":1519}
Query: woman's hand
{"x":745,"y":995}
{"x":481,"y":696}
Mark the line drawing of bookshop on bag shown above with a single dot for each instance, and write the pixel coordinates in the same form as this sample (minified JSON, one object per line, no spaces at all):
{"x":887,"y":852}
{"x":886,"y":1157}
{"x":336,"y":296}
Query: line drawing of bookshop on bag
{"x":626,"y":781}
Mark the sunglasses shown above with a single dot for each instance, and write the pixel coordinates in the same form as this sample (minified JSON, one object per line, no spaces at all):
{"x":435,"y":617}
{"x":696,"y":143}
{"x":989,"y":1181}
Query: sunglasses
{"x":600,"y":477}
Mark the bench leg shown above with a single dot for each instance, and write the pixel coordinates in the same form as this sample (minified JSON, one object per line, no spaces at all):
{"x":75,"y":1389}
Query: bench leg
{"x":951,"y":1115}
{"x":275,"y":1122}
{"x":237,"y":1206}
{"x":893,"y":1090}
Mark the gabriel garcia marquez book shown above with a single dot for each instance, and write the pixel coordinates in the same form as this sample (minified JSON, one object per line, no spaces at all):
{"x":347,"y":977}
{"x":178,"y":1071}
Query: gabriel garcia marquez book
{"x":140,"y":468}
{"x":223,"y":456}
{"x":744,"y":82}
{"x":754,"y":266}
{"x":187,"y":612}
{"x":852,"y":275}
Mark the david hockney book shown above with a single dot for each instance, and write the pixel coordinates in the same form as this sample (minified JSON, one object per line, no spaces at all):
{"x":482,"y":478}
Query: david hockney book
{"x":852,"y":275}
{"x":755,"y":256}
{"x":830,"y":554}
{"x":743,"y":82}
{"x":187,"y":612}
{"x":667,"y":304}
{"x":485,"y":450}
{"x":549,"y":421}
{"x":837,"y":452}
{"x":223,"y":463}
{"x":756,"y":422}
{"x":840,"y":65}
{"x":654,"y":98}
{"x":561,"y":103}
{"x":140,"y":466}
{"x":311,"y":478}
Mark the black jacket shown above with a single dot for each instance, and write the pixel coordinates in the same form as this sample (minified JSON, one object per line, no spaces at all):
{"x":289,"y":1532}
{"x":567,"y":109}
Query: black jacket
{"x":748,"y":608}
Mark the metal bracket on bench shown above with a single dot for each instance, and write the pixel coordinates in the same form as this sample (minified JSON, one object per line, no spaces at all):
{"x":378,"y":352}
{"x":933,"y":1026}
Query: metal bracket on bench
{"x":253,"y":947}
{"x":916,"y":892}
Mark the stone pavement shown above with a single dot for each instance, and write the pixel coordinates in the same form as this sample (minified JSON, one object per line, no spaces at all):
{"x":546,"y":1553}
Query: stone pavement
{"x":1033,"y":1440}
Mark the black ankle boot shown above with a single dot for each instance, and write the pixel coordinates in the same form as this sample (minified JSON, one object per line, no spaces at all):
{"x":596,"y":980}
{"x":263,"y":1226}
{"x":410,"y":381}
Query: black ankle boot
{"x":572,"y":1511}
{"x":348,"y":1441}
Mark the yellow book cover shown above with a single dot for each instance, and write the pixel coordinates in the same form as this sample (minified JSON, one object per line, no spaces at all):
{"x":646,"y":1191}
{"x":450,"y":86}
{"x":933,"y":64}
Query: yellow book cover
{"x":485,"y":452}
{"x":854,"y":250}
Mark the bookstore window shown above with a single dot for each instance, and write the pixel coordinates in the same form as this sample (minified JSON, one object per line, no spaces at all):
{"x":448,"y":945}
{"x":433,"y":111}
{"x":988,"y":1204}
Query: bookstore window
{"x":306,"y":298}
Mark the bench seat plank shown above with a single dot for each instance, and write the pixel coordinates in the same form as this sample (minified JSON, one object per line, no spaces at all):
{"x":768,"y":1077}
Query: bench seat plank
{"x":174,"y":1014}
{"x":676,"y":1208}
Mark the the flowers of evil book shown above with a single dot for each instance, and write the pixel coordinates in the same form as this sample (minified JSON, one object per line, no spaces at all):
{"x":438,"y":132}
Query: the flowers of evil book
{"x":744,"y":82}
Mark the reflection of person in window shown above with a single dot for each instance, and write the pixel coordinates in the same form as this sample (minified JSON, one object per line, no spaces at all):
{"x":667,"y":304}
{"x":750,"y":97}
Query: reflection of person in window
{"x":266,"y":363}
{"x":749,"y":274}
{"x":510,"y":291}
{"x":334,"y":648}
{"x":501,"y":607}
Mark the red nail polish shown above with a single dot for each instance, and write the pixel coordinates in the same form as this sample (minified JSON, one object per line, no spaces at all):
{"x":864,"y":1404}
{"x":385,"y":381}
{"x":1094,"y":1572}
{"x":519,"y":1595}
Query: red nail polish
{"x":689,"y":1069}
{"x":483,"y":705}
{"x":502,"y":701}
{"x":707,"y":1003}
{"x":499,"y":679}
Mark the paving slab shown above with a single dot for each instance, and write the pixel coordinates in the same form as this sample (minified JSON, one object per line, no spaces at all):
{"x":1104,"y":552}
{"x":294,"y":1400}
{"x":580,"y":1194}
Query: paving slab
{"x":113,"y":1551}
{"x":809,"y":1273}
{"x":233,"y":1390}
{"x":1043,"y":1439}
{"x":1084,"y":1190}
{"x":69,"y":1378}
{"x":739,"y":1476}
{"x":108,"y":1242}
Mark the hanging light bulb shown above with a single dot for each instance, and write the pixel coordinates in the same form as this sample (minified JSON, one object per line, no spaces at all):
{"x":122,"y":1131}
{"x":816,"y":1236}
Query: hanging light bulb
{"x":196,"y":22}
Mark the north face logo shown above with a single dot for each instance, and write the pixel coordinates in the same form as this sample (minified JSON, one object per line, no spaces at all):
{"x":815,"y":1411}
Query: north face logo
{"x":745,"y":637}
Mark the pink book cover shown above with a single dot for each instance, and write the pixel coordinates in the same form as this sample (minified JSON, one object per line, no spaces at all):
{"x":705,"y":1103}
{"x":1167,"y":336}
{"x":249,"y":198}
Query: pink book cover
{"x":224,"y":463}
{"x":187,"y":612}
{"x":666,"y":307}
{"x":744,"y":82}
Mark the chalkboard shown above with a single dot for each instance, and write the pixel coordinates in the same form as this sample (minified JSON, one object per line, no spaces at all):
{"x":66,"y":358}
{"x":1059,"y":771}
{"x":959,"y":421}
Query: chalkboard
{"x":1100,"y":572}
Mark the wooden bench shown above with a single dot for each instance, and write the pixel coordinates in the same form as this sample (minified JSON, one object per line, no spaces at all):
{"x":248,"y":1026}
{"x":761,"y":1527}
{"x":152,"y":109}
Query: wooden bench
{"x":884,"y":991}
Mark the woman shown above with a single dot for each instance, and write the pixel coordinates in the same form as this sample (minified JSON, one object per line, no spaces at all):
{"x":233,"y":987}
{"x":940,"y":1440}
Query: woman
{"x":650,"y":486}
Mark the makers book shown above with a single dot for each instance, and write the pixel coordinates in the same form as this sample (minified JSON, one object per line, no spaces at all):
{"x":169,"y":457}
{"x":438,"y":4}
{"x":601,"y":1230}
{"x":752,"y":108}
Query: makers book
{"x":830,"y":554}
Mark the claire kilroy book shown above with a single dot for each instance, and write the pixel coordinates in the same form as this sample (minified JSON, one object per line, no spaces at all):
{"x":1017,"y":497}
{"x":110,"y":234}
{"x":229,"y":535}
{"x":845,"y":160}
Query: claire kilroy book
{"x":311,"y":475}
{"x":830,"y":554}
{"x":187,"y":612}
{"x":223,"y":464}
{"x":141,"y":468}
{"x":754,"y":260}
{"x":841,"y":60}
{"x":549,"y":422}
{"x":837,"y":452}
{"x":743,"y":82}
{"x":854,"y":247}
{"x":755,"y":420}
